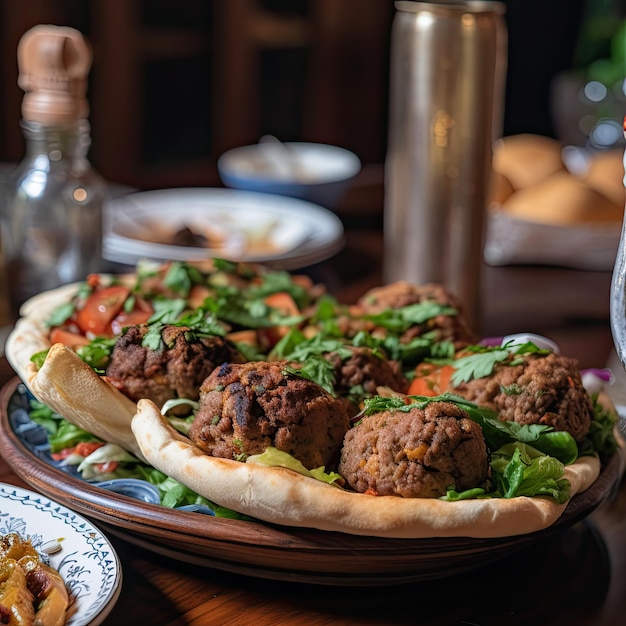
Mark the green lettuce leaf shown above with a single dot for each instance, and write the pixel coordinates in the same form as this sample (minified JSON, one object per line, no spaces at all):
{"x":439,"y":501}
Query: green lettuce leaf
{"x":520,"y":470}
{"x":273,"y":457}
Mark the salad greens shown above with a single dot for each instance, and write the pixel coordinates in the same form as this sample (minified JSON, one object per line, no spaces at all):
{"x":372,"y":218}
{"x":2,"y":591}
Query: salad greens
{"x":485,"y":358}
{"x":525,"y":459}
{"x":273,"y":457}
{"x":106,"y":461}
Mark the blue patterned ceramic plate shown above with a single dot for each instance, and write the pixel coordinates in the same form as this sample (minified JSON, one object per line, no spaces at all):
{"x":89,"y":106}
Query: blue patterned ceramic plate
{"x":86,"y":560}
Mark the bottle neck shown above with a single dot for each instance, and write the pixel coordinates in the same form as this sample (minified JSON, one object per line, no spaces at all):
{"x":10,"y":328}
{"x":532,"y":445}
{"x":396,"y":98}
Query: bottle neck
{"x":59,"y":143}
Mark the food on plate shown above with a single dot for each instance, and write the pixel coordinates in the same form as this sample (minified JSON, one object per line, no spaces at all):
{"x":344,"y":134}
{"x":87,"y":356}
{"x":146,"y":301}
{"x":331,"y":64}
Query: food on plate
{"x":527,"y":159}
{"x":246,"y":408}
{"x":310,"y":389}
{"x":415,"y":454}
{"x":414,"y":311}
{"x":564,"y":200}
{"x":534,"y":387}
{"x":605,"y":173}
{"x":500,"y":189}
{"x":531,"y":183}
{"x":165,"y":361}
{"x":359,"y":371}
{"x":278,"y":491}
{"x":31,"y":592}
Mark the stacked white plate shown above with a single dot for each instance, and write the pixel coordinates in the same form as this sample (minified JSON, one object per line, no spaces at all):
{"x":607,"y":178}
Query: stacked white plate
{"x":282,"y":232}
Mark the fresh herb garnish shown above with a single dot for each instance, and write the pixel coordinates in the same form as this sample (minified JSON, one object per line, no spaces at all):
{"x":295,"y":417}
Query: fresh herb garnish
{"x":401,"y":319}
{"x":317,"y":369}
{"x":485,"y":358}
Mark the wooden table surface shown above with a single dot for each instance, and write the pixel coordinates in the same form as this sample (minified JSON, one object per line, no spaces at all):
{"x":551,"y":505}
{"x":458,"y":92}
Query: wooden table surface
{"x":576,"y":577}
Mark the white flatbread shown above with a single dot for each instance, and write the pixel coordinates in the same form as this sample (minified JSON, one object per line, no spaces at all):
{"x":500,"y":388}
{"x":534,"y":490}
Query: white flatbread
{"x":282,"y":496}
{"x":69,"y":386}
{"x":31,"y":334}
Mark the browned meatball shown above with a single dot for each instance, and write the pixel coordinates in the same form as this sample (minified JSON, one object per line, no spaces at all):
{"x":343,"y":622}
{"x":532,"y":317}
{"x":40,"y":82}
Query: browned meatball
{"x":415,"y":454}
{"x":246,"y":408}
{"x":452,"y":327}
{"x":367,"y":370}
{"x":541,"y":390}
{"x":360,"y":375}
{"x":175,"y":370}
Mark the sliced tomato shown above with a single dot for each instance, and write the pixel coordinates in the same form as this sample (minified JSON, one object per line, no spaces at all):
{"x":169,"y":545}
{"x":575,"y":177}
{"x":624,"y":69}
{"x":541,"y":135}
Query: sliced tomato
{"x":129,"y":319}
{"x":101,"y":307}
{"x":283,"y":302}
{"x":67,"y":337}
{"x":197,"y":296}
{"x":248,"y":337}
{"x":85,"y":448}
{"x":430,"y":380}
{"x":286,"y":305}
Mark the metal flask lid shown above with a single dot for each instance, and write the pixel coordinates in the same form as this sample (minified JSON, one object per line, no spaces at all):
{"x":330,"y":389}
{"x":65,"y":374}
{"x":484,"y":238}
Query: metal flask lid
{"x":53,"y":63}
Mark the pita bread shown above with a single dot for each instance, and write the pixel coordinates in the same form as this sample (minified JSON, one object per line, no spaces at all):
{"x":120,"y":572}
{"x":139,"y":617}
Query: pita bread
{"x":74,"y":390}
{"x":272,"y":494}
{"x":281,"y":496}
{"x":31,"y":333}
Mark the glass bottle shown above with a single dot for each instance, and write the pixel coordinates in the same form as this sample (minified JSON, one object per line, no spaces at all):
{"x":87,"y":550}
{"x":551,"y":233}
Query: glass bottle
{"x":52,"y":206}
{"x":53,"y":212}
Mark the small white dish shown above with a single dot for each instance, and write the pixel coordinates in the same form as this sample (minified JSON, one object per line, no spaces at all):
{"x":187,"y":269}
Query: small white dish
{"x":86,"y":560}
{"x":319,"y":173}
{"x":254,"y":227}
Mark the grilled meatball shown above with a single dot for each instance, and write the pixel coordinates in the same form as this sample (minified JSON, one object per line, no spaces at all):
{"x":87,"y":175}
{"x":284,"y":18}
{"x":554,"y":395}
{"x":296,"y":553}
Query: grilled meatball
{"x":419,"y":453}
{"x":544,"y":390}
{"x":246,"y":408}
{"x":358,"y":376}
{"x":175,"y":370}
{"x":446,"y":327}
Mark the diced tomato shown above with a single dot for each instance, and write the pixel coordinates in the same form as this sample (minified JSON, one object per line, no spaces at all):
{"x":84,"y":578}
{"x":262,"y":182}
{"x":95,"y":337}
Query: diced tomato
{"x":93,"y":280}
{"x":62,"y":454}
{"x":197,"y":296}
{"x":101,"y":307}
{"x":283,"y":302}
{"x":247,"y":336}
{"x":85,"y":448}
{"x":430,"y":380}
{"x":129,"y":319}
{"x":303,"y":281}
{"x":286,"y":305}
{"x":67,"y":337}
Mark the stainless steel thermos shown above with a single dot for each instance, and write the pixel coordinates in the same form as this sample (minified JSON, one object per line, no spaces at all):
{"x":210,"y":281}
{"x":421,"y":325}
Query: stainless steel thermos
{"x":447,"y":73}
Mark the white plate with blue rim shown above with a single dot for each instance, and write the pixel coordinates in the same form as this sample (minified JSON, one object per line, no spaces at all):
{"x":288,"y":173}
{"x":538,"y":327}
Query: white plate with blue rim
{"x":83,"y":556}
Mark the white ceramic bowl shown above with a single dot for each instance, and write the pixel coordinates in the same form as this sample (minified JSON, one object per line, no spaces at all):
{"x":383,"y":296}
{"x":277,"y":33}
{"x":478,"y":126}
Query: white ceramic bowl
{"x":315,"y":172}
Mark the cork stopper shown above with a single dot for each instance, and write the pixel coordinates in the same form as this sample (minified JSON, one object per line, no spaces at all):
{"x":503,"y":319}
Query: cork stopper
{"x":53,"y":63}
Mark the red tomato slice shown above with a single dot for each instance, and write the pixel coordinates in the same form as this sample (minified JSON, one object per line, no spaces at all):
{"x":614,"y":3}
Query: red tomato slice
{"x":85,"y":448}
{"x":283,"y":302}
{"x":129,"y":319}
{"x":67,"y":337}
{"x":430,"y":382}
{"x":101,"y":308}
